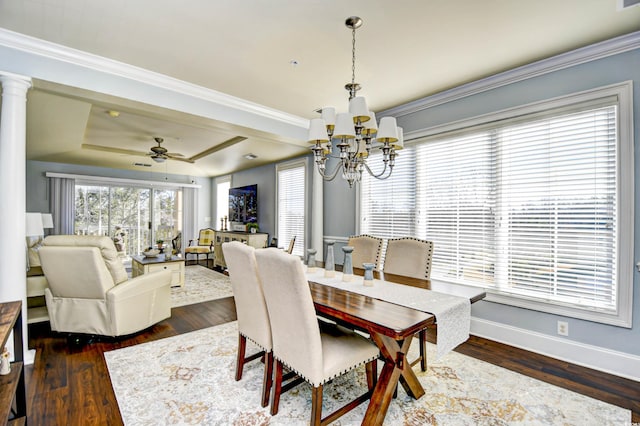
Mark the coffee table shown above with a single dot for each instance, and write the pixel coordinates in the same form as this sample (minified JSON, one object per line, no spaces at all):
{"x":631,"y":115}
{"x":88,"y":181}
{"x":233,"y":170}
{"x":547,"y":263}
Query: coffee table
{"x":146,"y":265}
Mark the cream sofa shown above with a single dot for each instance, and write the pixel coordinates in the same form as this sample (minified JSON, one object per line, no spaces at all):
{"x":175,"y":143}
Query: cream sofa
{"x":89,"y":291}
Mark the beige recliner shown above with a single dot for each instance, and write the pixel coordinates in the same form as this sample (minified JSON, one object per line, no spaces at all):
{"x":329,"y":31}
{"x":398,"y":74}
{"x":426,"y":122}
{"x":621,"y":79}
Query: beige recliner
{"x":89,"y":291}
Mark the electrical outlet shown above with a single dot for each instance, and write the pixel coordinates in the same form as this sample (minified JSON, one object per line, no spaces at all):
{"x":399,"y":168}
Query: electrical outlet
{"x":563,"y":328}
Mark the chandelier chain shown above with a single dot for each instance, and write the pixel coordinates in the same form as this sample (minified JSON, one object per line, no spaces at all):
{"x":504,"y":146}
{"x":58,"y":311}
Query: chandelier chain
{"x":353,"y":56}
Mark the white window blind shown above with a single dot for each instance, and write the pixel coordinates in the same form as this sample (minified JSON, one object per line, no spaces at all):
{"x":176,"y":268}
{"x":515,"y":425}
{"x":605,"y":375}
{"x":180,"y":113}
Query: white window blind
{"x":291,"y":205}
{"x":391,"y":203}
{"x":558,"y":207}
{"x":526,"y":206}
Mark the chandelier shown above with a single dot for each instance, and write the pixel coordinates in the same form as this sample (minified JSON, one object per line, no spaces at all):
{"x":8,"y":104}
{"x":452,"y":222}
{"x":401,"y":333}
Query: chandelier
{"x":356,"y":132}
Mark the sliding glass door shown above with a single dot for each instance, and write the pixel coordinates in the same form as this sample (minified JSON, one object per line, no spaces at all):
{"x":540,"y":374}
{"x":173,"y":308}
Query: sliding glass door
{"x":134,"y":217}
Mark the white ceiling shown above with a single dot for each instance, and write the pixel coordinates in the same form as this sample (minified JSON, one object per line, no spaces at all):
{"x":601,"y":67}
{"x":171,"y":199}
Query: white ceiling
{"x":405,"y":50}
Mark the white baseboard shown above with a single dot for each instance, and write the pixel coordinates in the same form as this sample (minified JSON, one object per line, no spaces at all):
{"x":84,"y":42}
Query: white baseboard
{"x":29,"y":357}
{"x":605,"y":360}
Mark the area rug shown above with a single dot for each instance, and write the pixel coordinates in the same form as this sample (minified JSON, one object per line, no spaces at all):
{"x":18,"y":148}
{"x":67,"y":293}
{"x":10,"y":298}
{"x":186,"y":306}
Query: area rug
{"x":189,"y":380}
{"x":200,"y":285}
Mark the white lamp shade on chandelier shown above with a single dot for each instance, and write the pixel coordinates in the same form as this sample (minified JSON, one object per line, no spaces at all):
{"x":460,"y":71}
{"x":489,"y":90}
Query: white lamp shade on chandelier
{"x":357,"y":133}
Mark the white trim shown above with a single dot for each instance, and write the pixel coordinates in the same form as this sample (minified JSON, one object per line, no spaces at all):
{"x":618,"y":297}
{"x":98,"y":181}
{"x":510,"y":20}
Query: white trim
{"x":93,"y":62}
{"x":583,"y":55}
{"x":151,"y":183}
{"x":605,"y":360}
{"x":343,"y":240}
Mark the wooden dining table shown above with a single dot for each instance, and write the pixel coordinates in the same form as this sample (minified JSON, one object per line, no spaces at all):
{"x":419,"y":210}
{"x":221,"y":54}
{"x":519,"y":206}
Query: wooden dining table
{"x":391,"y":327}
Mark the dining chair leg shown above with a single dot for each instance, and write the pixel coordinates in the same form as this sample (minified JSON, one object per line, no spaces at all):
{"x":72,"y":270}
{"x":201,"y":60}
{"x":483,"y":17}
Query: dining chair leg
{"x":242,"y":347}
{"x":422,"y":340}
{"x":268,"y":378}
{"x":372,"y":373}
{"x":316,"y":405}
{"x":277,"y":389}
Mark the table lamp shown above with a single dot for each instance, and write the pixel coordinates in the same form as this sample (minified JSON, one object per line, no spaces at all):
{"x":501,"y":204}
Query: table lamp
{"x":47,"y":220}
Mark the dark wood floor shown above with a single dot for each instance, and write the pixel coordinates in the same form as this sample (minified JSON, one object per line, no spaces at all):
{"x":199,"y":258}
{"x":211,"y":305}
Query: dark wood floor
{"x":69,"y":384}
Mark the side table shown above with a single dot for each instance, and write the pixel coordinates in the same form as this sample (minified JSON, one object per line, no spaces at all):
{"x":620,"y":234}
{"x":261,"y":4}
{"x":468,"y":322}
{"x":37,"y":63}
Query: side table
{"x":36,"y":306}
{"x":145,"y":265}
{"x":12,"y":385}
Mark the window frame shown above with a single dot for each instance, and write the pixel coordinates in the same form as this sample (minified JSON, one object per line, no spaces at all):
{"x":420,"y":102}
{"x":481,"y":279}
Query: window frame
{"x":622,"y":316}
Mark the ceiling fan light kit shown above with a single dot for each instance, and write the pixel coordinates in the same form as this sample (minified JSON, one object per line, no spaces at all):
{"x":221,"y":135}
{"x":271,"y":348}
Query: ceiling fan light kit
{"x":355,"y":131}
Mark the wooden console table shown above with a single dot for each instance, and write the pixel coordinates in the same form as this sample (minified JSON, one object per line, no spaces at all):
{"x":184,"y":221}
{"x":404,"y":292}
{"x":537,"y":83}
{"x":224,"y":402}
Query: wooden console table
{"x":12,"y":385}
{"x":254,"y":239}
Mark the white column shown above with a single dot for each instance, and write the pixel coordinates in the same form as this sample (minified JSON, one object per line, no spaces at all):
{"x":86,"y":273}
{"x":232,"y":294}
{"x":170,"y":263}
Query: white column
{"x":13,"y":254}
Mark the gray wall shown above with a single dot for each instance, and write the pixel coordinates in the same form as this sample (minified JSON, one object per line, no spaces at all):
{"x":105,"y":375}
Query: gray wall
{"x":38,"y":184}
{"x":340,"y":201}
{"x":265,"y":177}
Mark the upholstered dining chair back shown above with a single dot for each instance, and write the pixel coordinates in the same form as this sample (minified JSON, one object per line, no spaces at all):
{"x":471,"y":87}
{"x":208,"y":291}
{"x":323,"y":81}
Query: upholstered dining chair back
{"x":366,"y":249}
{"x":88,"y":290}
{"x":315,"y":355}
{"x":253,"y":319}
{"x":251,"y":308}
{"x":409,"y":257}
{"x":294,"y":325}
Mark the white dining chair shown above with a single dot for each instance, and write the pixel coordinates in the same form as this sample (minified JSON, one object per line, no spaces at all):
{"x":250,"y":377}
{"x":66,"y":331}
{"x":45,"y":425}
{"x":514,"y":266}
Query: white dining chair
{"x":366,"y":249}
{"x":316,"y":355}
{"x":251,"y":308}
{"x":410,"y":257}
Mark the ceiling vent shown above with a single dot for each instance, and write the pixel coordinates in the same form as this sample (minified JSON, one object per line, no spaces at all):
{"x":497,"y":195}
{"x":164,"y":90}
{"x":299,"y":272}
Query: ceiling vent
{"x":625,"y":4}
{"x":142,"y":164}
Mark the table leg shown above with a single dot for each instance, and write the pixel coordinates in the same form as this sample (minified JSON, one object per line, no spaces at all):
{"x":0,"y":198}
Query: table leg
{"x":396,"y":368}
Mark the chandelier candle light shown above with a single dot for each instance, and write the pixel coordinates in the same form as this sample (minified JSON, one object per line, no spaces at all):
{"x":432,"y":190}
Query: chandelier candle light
{"x":355,"y":131}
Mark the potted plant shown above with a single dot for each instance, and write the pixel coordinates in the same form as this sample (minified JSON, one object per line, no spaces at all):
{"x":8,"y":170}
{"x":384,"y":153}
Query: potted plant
{"x":159,"y":243}
{"x":252,"y":227}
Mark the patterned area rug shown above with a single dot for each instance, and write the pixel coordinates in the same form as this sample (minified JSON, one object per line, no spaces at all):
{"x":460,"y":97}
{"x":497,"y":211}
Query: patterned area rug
{"x":189,"y":379}
{"x":200,"y":284}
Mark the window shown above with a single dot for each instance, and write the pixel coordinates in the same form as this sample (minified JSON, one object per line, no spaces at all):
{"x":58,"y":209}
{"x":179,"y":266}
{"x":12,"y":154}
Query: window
{"x":223,"y":185}
{"x":526,"y":203}
{"x":135,"y":217}
{"x":291,"y":193}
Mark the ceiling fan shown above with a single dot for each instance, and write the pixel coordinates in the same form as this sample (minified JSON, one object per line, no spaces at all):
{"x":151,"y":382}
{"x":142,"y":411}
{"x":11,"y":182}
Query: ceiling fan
{"x":159,"y":153}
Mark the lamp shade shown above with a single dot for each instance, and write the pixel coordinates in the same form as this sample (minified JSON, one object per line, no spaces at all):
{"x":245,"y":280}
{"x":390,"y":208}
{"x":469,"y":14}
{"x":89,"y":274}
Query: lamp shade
{"x":399,"y":144}
{"x":47,"y":220}
{"x":317,"y":131}
{"x":33,"y":225}
{"x":344,"y":126}
{"x":370,"y":127}
{"x":388,"y":130}
{"x":329,"y":116}
{"x":358,"y":107}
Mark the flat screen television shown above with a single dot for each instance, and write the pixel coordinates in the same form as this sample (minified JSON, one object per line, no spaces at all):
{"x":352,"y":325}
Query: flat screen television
{"x":243,"y":204}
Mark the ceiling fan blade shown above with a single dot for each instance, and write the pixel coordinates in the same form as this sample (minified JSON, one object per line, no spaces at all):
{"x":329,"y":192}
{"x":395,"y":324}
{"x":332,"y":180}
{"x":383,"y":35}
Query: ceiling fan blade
{"x":234,"y":140}
{"x":186,"y":160}
{"x":114,"y":150}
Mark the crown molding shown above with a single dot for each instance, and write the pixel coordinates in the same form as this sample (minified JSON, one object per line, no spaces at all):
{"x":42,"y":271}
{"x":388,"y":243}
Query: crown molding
{"x":590,"y":53}
{"x":57,"y":52}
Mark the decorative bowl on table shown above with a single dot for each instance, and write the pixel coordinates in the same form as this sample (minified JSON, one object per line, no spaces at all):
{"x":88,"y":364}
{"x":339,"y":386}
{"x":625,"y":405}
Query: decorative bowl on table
{"x":151,"y":253}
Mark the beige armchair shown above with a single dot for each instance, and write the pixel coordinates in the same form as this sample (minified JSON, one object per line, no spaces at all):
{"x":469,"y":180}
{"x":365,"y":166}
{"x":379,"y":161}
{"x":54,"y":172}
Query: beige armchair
{"x":89,"y":291}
